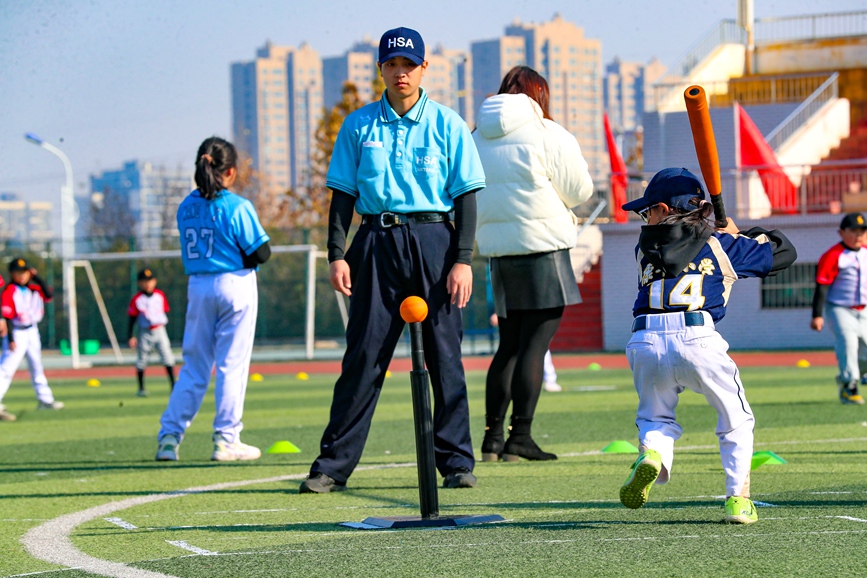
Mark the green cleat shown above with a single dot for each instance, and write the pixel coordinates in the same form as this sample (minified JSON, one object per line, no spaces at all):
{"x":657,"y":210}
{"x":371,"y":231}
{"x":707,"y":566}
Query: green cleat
{"x":740,"y":511}
{"x":645,"y":470}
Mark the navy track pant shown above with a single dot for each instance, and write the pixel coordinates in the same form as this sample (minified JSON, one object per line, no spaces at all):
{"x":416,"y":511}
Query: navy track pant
{"x":386,"y":266}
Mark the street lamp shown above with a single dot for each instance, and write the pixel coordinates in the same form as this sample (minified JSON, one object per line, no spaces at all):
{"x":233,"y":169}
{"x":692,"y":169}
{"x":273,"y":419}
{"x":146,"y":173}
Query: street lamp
{"x":67,"y":246}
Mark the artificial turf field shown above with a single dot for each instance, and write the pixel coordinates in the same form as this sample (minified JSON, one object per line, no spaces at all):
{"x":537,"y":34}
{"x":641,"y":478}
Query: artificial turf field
{"x":563,"y":518}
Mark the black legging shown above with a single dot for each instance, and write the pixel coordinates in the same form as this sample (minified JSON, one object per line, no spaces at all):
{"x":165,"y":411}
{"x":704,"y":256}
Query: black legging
{"x":516,"y":371}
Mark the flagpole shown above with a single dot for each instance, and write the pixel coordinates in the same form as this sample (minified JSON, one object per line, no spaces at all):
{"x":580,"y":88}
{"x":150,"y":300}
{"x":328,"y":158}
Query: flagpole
{"x":736,"y":116}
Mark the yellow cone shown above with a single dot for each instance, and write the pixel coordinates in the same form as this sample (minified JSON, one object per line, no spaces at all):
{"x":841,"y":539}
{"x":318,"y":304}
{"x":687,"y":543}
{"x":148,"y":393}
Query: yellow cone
{"x":256,"y":377}
{"x":283,"y":447}
{"x":594,"y":366}
{"x":93,"y":383}
{"x":302,"y":376}
{"x":803,"y":363}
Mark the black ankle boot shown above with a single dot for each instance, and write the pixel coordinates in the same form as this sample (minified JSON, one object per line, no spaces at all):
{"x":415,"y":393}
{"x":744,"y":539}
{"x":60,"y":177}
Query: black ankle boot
{"x":521,"y":445}
{"x":492,"y":445}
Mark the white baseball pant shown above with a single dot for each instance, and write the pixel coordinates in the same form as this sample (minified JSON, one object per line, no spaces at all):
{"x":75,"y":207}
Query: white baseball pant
{"x":150,"y":339}
{"x":549,"y":374}
{"x":666,"y":358}
{"x":850,"y":341}
{"x":27,"y":343}
{"x":220,"y":324}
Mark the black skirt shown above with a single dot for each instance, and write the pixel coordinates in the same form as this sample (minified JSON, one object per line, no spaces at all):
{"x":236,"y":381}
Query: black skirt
{"x":536,"y":281}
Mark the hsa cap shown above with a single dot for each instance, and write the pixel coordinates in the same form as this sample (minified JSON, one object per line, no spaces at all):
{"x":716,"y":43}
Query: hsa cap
{"x":145,"y":275}
{"x":18,"y":264}
{"x":853,"y":221}
{"x":401,"y":42}
{"x":673,"y":186}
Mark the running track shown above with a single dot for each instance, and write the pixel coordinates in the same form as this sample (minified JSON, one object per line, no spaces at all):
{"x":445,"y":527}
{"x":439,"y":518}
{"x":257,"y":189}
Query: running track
{"x":471,"y":363}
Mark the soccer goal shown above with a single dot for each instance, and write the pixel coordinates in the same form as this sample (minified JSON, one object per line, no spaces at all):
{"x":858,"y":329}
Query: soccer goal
{"x":281,"y":302}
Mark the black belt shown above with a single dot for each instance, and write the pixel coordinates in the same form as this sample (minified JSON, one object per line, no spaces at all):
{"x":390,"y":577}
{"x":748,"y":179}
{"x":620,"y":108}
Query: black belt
{"x":22,"y":326}
{"x":690,"y":319}
{"x":387,"y":220}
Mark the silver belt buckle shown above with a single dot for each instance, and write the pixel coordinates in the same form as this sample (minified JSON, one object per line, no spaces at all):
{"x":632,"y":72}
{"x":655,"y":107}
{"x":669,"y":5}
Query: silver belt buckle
{"x":393,"y":220}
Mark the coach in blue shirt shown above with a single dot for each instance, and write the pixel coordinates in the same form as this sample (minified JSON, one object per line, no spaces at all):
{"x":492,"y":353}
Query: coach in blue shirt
{"x":404,"y":163}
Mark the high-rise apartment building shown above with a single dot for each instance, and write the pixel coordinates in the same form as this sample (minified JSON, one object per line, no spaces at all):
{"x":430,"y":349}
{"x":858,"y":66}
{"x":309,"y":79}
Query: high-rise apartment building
{"x":148,"y":195}
{"x":357,"y":65}
{"x":626,"y":90}
{"x":572,"y":65}
{"x":448,"y":80}
{"x":277,"y":102}
{"x":491,"y":60}
{"x":25,"y":223}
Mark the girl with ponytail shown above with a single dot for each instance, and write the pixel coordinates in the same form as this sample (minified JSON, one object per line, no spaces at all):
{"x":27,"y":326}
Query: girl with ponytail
{"x":222,"y":245}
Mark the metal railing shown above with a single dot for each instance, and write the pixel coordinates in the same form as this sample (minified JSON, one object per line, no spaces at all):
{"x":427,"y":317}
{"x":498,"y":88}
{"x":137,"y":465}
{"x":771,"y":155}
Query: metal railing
{"x":770,"y":89}
{"x":832,"y":187}
{"x":810,"y":27}
{"x":826,"y":92}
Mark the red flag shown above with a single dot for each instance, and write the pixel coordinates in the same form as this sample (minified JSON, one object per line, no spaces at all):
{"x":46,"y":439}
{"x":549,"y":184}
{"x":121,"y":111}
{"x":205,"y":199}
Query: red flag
{"x":756,"y":153}
{"x":618,"y":174}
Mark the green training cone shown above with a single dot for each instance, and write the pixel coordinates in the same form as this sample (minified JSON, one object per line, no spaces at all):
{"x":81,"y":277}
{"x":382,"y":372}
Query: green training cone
{"x":283,"y":447}
{"x":770,"y":458}
{"x":620,"y":447}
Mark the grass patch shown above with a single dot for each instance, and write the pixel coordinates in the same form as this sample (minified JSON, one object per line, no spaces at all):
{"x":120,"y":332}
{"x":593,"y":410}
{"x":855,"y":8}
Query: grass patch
{"x":563,"y":517}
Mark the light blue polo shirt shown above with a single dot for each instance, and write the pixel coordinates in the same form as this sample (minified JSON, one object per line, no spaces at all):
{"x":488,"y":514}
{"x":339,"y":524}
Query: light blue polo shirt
{"x":214,"y":233}
{"x":419,"y":162}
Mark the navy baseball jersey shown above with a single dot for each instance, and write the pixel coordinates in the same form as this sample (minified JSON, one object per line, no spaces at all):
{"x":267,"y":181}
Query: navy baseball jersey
{"x":705,"y":282}
{"x":214,"y":233}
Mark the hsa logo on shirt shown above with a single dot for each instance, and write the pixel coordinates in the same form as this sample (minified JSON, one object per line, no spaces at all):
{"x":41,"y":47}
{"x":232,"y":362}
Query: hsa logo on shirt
{"x":425,"y":163}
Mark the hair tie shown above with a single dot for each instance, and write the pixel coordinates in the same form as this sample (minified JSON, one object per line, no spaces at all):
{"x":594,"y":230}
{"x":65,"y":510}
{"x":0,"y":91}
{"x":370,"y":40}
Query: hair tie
{"x":208,"y":158}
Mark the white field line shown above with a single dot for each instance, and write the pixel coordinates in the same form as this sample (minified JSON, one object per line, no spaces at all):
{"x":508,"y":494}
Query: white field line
{"x":851,"y":518}
{"x":122,"y":523}
{"x":484,"y":544}
{"x":50,"y":541}
{"x":189,"y":547}
{"x":713,"y":447}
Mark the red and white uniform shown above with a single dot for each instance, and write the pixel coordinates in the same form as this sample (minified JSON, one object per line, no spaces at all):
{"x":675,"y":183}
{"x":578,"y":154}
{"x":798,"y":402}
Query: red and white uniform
{"x":23,"y":307}
{"x":845,"y":271}
{"x":150,"y":312}
{"x":149,"y":309}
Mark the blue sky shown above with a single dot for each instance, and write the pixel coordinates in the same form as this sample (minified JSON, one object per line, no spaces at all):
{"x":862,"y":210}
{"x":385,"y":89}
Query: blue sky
{"x":113,"y":80}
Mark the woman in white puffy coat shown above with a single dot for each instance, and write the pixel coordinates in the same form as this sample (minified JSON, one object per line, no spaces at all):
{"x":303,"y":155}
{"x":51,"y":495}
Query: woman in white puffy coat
{"x":535,"y":173}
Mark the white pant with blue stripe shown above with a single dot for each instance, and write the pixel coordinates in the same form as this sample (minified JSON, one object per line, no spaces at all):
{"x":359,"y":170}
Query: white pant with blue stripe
{"x":27,"y":343}
{"x":219,"y":329}
{"x":668,"y":357}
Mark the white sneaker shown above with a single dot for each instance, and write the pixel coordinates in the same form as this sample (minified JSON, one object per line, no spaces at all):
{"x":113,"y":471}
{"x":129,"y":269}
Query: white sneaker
{"x":230,"y":452}
{"x":552,"y":386}
{"x":5,"y":415}
{"x":167,"y":450}
{"x":52,"y":405}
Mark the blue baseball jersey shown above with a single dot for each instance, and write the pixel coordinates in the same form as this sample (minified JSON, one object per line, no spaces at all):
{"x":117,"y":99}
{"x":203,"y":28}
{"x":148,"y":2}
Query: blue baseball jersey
{"x":214,"y":233}
{"x":418,"y":162}
{"x":706,"y":282}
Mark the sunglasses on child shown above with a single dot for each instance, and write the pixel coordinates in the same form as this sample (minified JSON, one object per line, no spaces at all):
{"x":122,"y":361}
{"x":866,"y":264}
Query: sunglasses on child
{"x":645,"y":212}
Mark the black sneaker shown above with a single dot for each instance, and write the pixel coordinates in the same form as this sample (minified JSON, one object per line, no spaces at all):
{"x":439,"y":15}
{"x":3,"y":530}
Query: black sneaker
{"x":460,"y":478}
{"x":319,"y":483}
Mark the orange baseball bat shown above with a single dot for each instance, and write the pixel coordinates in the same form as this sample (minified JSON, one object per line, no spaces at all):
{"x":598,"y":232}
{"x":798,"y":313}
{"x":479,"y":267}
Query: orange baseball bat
{"x":705,"y":148}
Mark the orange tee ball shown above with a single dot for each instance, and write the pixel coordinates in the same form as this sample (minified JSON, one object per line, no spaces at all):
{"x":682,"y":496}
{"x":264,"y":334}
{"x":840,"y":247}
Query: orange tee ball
{"x":413,"y":309}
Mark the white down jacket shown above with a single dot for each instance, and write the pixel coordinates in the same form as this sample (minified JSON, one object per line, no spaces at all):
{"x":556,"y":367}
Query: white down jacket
{"x":534,"y":172}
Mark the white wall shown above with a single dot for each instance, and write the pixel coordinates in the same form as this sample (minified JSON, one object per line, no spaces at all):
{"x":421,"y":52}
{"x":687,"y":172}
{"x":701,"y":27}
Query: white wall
{"x":746,"y":325}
